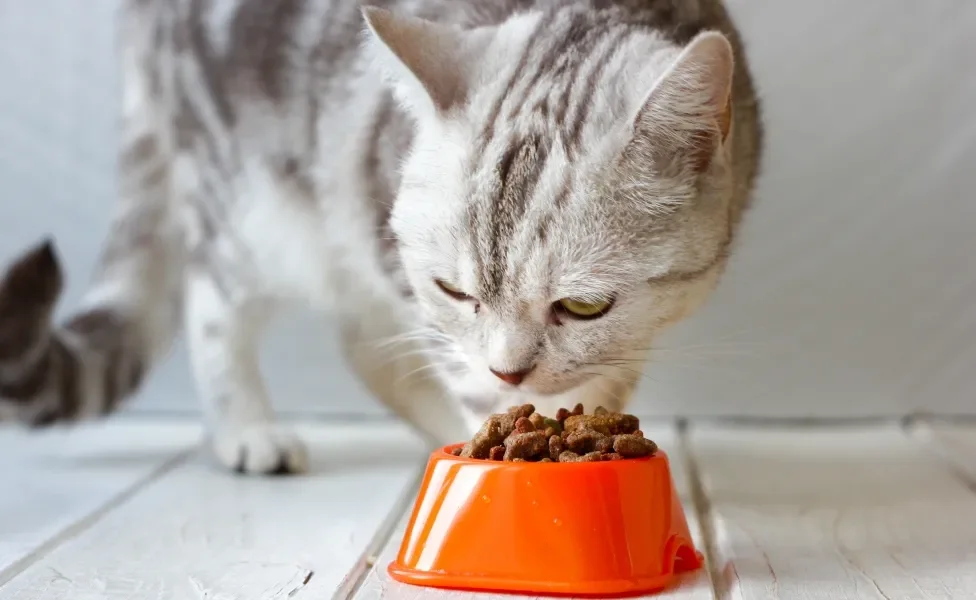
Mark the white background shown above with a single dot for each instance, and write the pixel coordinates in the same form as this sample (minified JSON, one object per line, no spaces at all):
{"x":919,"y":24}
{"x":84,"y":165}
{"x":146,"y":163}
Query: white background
{"x":852,"y":293}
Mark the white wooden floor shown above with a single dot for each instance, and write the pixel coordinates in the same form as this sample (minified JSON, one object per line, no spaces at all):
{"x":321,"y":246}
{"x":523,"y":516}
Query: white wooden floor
{"x":131,"y":510}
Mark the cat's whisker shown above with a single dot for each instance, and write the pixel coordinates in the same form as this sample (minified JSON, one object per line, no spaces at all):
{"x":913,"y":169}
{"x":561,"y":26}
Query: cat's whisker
{"x":596,"y":375}
{"x":427,"y":355}
{"x":610,"y":391}
{"x":421,"y":334}
{"x":613,"y":366}
{"x":425,"y":369}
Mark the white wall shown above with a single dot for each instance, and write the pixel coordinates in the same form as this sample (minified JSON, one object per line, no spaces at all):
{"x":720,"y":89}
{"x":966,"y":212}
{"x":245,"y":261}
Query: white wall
{"x":852,"y":292}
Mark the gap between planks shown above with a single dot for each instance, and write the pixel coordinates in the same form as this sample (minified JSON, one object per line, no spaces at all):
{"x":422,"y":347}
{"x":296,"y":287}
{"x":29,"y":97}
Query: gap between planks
{"x":387,"y":530}
{"x":699,"y":503}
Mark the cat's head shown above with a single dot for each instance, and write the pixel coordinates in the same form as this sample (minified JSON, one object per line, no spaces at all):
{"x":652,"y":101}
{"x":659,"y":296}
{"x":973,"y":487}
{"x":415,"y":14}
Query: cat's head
{"x":559,"y":206}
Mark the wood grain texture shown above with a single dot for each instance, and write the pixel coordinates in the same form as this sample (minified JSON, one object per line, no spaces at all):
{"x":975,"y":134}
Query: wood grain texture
{"x":53,"y":480}
{"x":202,"y":533}
{"x":846,"y":513}
{"x":696,"y":586}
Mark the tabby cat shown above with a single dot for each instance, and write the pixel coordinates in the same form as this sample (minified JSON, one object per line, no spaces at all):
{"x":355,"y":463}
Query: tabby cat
{"x":500,"y":200}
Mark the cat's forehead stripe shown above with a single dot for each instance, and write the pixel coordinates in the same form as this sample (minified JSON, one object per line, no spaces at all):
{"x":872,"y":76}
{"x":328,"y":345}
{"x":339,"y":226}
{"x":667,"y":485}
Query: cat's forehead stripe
{"x":562,"y":73}
{"x":518,"y":172}
{"x":488,"y":133}
{"x":589,"y":86}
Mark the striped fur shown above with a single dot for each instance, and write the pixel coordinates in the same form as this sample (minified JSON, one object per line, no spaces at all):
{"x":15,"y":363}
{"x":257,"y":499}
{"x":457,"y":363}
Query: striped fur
{"x":307,"y":150}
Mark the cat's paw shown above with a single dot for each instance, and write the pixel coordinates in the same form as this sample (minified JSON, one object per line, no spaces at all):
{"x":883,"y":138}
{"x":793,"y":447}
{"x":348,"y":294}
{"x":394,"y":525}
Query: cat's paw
{"x":260,"y":449}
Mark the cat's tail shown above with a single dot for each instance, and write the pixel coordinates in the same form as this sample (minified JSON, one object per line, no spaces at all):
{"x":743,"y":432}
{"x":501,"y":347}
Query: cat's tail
{"x":88,"y":364}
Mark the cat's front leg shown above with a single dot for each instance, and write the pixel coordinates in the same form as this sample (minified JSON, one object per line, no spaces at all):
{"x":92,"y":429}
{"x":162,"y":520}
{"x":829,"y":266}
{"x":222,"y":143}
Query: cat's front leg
{"x":224,"y":334}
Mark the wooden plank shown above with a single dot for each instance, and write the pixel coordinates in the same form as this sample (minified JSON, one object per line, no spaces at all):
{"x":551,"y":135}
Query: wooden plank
{"x":696,"y":586}
{"x":828,"y":514}
{"x":55,"y":479}
{"x":200,"y":532}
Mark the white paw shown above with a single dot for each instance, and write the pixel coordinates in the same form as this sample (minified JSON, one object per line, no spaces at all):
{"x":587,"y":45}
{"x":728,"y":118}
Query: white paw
{"x":260,"y":449}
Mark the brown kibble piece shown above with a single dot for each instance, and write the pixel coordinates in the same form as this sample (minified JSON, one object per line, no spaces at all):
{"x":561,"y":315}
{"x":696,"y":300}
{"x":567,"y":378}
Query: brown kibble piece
{"x":612,"y":456}
{"x":604,"y":445}
{"x":457,"y":451}
{"x":600,"y":411}
{"x":497,"y":453}
{"x":561,"y":415}
{"x":609,"y":424}
{"x":555,"y":447}
{"x":578,"y":409}
{"x":523,"y":410}
{"x":570,"y":456}
{"x":545,"y":459}
{"x":525,"y":445}
{"x":582,"y":441}
{"x":632,"y":446}
{"x":524,"y":425}
{"x":489,"y":436}
{"x":538,"y":421}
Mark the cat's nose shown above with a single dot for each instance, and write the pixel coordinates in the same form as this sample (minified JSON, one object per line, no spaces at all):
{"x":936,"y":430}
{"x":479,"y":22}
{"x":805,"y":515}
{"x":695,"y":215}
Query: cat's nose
{"x":512,"y":377}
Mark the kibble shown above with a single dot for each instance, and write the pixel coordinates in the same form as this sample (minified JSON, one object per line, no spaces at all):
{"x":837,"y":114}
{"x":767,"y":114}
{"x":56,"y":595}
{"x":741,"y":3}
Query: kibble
{"x":522,"y":435}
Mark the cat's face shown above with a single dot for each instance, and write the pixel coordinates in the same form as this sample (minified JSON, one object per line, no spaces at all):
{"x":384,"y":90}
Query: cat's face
{"x":548,"y":252}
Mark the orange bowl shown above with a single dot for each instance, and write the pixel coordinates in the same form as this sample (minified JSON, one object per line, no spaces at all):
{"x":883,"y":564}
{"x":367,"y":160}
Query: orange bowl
{"x":595,"y":528}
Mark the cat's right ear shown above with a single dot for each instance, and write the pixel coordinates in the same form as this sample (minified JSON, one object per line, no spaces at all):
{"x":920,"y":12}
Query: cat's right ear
{"x":430,"y":65}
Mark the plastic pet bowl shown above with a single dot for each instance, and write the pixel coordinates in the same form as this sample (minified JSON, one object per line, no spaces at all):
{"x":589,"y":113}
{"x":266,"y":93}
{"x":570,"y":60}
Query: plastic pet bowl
{"x":597,"y":528}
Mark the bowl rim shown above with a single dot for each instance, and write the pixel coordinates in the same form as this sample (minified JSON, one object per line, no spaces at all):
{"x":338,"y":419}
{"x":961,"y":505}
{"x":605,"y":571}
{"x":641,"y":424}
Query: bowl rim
{"x":443,"y":453}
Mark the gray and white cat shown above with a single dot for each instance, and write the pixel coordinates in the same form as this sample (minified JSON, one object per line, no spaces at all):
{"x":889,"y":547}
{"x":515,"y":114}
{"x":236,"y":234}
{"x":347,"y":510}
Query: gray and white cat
{"x":501,"y":200}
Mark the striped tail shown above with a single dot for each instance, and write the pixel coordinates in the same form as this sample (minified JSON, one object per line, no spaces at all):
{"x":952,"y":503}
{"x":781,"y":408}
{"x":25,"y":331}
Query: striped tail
{"x":81,"y":369}
{"x":88,"y":365}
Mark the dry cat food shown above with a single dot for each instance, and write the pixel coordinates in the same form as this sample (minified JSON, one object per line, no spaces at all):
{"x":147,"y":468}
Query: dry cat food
{"x":523,"y":435}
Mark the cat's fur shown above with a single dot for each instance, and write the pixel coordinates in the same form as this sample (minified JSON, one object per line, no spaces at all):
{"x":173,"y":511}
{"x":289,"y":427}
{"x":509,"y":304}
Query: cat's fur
{"x":522,"y":151}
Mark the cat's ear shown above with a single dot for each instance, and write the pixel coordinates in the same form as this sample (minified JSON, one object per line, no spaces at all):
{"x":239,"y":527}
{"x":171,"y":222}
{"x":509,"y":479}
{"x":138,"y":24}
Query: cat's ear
{"x":687,"y":115}
{"x":430,"y":64}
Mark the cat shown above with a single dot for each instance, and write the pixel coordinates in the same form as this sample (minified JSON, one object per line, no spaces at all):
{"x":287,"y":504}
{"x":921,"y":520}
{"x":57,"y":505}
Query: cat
{"x":501,"y":201}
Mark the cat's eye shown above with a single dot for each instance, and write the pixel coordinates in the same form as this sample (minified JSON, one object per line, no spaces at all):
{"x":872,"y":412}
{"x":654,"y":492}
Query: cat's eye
{"x":578,"y":309}
{"x":451,"y":290}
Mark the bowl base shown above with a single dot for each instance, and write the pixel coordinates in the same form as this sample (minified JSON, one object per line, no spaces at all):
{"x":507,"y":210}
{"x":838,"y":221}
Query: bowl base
{"x":686,"y":560}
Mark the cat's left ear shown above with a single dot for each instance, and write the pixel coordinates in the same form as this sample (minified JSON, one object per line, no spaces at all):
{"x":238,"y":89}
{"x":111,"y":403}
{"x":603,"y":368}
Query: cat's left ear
{"x":430,"y":64}
{"x":688,"y":113}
